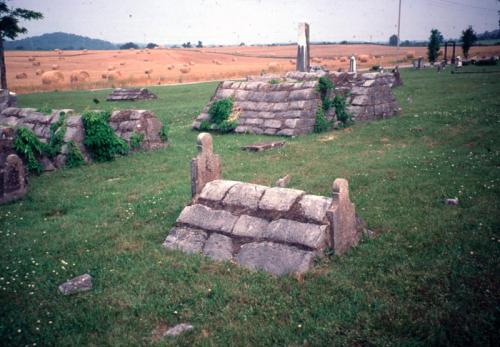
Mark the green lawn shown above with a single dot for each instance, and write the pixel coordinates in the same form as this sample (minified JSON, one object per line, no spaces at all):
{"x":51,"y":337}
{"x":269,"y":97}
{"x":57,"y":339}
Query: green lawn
{"x":430,"y":277}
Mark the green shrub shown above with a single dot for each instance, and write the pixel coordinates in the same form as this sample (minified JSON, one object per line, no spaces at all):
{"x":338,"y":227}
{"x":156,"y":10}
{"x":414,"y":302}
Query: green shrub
{"x":205,"y":125}
{"x":164,"y":132}
{"x":343,"y":116}
{"x":322,"y":124}
{"x":75,"y":157}
{"x":375,"y":68}
{"x":57,"y":131}
{"x":27,"y":145}
{"x":274,"y":81}
{"x":227,"y":126}
{"x":221,"y":110}
{"x":136,"y":139}
{"x":324,"y":85}
{"x":100,"y":139}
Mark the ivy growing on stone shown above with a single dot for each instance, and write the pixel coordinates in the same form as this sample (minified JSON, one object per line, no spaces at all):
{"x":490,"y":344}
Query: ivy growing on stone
{"x":74,"y":157}
{"x":136,"y":139}
{"x":27,"y":144}
{"x":100,"y":139}
{"x":57,"y":132}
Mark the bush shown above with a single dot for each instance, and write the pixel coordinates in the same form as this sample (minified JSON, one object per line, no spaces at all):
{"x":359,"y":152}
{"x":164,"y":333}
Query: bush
{"x":100,"y":139}
{"x":164,"y":132}
{"x":27,"y":145}
{"x":324,"y":85}
{"x":57,"y":131}
{"x":205,"y":125}
{"x":322,"y":124}
{"x":339,"y":103}
{"x":221,"y":110}
{"x":75,"y":157}
{"x":136,"y":139}
{"x":227,"y":126}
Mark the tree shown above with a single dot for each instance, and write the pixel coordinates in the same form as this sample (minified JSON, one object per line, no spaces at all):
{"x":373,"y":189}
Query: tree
{"x":468,"y":39}
{"x":434,"y":45}
{"x":187,"y":44}
{"x":10,"y":28}
{"x":151,"y":45}
{"x":393,"y":40}
{"x":200,"y":44}
{"x":129,"y":45}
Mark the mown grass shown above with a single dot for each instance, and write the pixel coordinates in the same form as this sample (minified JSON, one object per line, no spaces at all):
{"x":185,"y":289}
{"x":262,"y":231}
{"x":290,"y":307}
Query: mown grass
{"x":430,"y":277}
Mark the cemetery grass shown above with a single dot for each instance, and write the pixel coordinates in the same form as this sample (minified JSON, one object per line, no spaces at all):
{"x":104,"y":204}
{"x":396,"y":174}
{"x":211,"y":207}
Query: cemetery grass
{"x":429,"y":277}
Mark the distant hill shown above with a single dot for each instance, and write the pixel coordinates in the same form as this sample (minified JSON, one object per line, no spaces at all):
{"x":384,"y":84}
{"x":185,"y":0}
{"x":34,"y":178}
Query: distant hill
{"x":58,"y":40}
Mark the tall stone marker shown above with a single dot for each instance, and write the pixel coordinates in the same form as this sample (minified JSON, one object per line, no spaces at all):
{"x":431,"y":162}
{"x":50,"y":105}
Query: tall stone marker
{"x":206,"y":166}
{"x":352,"y":64}
{"x":303,"y":63}
{"x":13,"y":183}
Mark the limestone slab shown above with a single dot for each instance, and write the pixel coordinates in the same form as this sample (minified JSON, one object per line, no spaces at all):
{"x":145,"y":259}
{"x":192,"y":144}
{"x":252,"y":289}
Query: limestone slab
{"x":244,"y":195}
{"x":216,"y":190}
{"x":274,"y":258}
{"x":218,"y":247}
{"x":206,"y":218}
{"x":279,"y":199}
{"x":314,"y":207}
{"x":305,"y":234}
{"x":188,"y":240}
{"x":248,"y":226}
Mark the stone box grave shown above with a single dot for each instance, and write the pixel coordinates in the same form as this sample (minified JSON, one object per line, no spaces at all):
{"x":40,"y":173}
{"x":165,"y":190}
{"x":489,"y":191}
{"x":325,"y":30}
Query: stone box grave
{"x":278,"y":230}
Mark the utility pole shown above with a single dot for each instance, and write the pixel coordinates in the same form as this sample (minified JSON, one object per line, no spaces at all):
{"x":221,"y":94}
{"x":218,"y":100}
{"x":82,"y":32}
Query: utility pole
{"x":399,"y":25}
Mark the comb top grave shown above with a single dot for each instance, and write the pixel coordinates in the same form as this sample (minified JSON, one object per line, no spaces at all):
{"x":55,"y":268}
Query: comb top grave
{"x":278,"y":230}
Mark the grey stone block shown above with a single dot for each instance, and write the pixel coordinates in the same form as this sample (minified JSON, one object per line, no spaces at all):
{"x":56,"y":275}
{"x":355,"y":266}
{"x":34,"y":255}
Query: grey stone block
{"x":274,"y":258}
{"x":248,"y":226}
{"x":78,"y":284}
{"x":279,"y":199}
{"x":185,"y":239}
{"x":272,"y":123}
{"x":218,"y":247}
{"x":216,"y":190}
{"x":289,"y":231}
{"x":244,"y":195}
{"x":314,"y":207}
{"x":208,"y":219}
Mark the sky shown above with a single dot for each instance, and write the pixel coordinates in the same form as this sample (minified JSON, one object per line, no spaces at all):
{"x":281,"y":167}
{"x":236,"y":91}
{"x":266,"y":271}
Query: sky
{"x":257,"y":21}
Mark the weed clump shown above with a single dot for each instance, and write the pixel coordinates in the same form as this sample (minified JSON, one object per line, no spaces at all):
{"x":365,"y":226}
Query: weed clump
{"x":220,"y":113}
{"x":100,"y":139}
{"x":27,"y":144}
{"x":75,"y":157}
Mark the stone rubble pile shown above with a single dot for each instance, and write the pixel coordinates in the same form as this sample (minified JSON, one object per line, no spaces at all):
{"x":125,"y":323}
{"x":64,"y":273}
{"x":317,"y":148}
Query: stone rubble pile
{"x":278,"y":230}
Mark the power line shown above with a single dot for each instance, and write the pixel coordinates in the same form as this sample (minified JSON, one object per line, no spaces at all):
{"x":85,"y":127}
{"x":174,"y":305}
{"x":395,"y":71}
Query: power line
{"x":449,"y":2}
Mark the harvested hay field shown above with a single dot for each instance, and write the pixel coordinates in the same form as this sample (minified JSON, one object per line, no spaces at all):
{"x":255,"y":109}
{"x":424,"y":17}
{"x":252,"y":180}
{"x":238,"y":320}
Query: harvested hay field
{"x":170,"y":66}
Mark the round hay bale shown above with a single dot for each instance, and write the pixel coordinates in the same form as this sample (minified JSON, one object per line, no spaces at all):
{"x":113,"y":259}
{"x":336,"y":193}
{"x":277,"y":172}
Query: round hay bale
{"x":169,"y":68}
{"x":85,"y":51}
{"x":343,"y":59}
{"x":122,"y":63}
{"x":410,"y":55}
{"x":79,"y":76}
{"x":113,"y":75}
{"x":31,"y":59}
{"x":36,"y":63}
{"x":55,"y":67}
{"x":111,"y":68}
{"x":363,"y":58}
{"x":38,"y":72}
{"x":273,"y":67}
{"x":191,"y":63}
{"x":185,"y":69}
{"x":148,"y":71}
{"x":234,"y":59}
{"x":22,"y":76}
{"x":52,"y":77}
{"x":291,"y":62}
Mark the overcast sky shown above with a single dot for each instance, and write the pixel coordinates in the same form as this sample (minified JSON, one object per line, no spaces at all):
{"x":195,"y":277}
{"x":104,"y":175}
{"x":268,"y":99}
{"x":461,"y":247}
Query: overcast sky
{"x":257,"y":21}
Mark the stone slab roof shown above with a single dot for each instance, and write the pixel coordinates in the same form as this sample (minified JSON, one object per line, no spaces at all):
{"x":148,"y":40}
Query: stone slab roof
{"x":121,"y":94}
{"x":278,"y":230}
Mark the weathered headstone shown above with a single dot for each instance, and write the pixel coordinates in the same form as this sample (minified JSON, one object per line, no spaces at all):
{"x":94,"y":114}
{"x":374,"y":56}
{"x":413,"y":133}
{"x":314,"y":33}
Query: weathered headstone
{"x":206,"y":166}
{"x":342,"y":218}
{"x":13,"y":183}
{"x":303,"y":57}
{"x":352,"y":64}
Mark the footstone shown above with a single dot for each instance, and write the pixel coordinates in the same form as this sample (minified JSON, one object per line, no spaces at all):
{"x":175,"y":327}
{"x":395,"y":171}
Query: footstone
{"x":188,"y":240}
{"x":274,"y":258}
{"x":262,"y":146}
{"x":78,"y":284}
{"x":218,"y":247}
{"x":179,"y":329}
